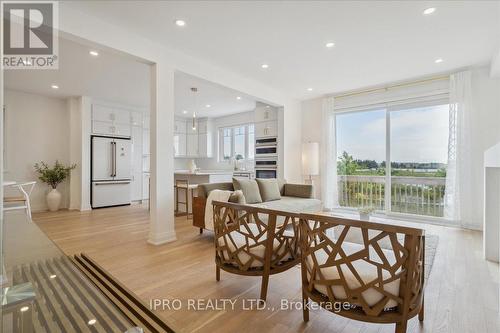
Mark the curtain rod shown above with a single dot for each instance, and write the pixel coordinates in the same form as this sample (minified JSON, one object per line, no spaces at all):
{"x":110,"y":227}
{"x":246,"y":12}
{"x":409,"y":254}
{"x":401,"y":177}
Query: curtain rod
{"x":406,"y":84}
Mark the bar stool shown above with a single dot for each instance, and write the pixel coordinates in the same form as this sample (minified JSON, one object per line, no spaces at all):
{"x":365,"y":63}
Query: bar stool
{"x":183,"y":184}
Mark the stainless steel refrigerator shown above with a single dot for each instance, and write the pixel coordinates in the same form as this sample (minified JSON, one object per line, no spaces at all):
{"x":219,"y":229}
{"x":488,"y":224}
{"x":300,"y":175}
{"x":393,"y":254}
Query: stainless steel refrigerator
{"x":111,"y":171}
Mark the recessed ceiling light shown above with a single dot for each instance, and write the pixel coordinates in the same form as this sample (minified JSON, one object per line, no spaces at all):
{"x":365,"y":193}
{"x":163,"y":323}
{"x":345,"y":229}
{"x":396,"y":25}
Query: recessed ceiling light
{"x":265,"y":66}
{"x":309,"y":89}
{"x":238,"y":97}
{"x":54,"y":86}
{"x":429,"y":10}
{"x":267,"y":106}
{"x":330,"y":44}
{"x":184,"y":111}
{"x":208,"y":106}
{"x":94,"y":53}
{"x":180,"y":23}
{"x":92,"y":322}
{"x":438,"y":60}
{"x":24,"y":308}
{"x":53,"y":276}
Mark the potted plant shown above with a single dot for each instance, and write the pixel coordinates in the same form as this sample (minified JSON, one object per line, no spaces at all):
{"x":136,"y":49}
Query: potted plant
{"x":53,"y":176}
{"x":365,"y":212}
{"x":237,"y":159}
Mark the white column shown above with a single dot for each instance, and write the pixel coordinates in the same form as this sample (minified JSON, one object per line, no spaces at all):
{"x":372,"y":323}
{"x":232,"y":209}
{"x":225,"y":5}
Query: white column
{"x":162,"y":227}
{"x":291,"y":136}
{"x":80,"y":129}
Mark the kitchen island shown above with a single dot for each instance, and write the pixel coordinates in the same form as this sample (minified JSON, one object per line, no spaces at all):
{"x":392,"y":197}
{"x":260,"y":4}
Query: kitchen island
{"x":202,"y":176}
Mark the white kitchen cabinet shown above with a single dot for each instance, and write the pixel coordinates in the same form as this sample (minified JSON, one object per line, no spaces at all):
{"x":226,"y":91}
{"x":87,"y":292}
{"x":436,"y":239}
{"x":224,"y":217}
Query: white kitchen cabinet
{"x":106,"y":113}
{"x":266,"y":129}
{"x":192,"y":144}
{"x":264,"y":114}
{"x":205,"y":137}
{"x":135,"y":118}
{"x":136,"y":184}
{"x":205,"y":145}
{"x":197,"y":142}
{"x":109,"y":128}
{"x":145,"y":185}
{"x":146,"y":119}
{"x":203,"y":126}
{"x":122,"y":130}
{"x":145,"y":141}
{"x":180,"y":145}
{"x":102,"y":113}
{"x":179,"y":126}
{"x":189,"y":126}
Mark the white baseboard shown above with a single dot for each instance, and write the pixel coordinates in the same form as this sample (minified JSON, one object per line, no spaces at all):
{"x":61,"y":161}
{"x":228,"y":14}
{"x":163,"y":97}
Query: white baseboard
{"x":163,"y":238}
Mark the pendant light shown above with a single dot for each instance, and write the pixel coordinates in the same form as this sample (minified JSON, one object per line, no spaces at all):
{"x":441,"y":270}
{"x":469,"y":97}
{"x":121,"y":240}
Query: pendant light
{"x":194,"y":90}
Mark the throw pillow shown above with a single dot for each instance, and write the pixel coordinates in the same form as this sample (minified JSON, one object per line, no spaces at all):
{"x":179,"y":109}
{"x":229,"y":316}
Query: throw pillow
{"x":249,"y":188}
{"x":269,"y":189}
{"x":237,"y":197}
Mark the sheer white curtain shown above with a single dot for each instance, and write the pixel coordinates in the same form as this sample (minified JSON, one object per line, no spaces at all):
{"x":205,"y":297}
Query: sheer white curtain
{"x":329,"y":187}
{"x":458,"y":200}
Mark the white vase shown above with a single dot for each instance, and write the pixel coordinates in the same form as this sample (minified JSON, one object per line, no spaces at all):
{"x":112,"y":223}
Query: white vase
{"x":192,"y":166}
{"x":54,"y":200}
{"x":364,"y":217}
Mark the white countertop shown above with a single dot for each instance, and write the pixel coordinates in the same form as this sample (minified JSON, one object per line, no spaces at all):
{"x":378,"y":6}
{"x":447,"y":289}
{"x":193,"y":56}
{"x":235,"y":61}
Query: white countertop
{"x":209,"y":172}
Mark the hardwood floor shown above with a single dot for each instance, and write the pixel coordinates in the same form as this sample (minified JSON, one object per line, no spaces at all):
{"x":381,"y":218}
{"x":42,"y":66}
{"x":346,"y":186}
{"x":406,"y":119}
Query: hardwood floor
{"x":461,"y":295}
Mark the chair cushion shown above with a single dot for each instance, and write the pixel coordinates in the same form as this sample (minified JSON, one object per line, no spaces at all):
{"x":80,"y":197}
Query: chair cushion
{"x":367,"y":272}
{"x":269,"y":189}
{"x":249,"y":188}
{"x":292,"y":205}
{"x":240,"y":241}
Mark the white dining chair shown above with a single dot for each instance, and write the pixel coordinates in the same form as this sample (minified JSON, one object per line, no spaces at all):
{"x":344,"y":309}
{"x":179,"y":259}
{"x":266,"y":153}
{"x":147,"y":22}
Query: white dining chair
{"x":22,"y":201}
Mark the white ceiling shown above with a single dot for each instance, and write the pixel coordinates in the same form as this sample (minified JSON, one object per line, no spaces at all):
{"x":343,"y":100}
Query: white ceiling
{"x":222,"y":101}
{"x":116,"y":78}
{"x":109,"y":77}
{"x":376,"y":41}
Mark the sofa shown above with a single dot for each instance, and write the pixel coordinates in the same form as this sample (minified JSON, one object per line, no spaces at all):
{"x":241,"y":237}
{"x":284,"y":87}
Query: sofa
{"x":293,"y":198}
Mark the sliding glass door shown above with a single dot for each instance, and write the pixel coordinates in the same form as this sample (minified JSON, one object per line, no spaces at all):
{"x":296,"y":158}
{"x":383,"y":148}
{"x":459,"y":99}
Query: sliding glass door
{"x":394,"y":158}
{"x":361,"y":151}
{"x":419,"y":153}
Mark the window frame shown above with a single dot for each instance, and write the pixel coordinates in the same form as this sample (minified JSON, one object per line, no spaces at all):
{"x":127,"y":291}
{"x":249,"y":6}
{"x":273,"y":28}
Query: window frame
{"x":221,"y":145}
{"x":388,"y":109}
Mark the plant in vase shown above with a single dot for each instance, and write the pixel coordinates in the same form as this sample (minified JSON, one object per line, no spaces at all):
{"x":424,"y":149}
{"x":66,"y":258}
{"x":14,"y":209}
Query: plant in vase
{"x":237,"y":159}
{"x":365,"y":212}
{"x":53,"y":176}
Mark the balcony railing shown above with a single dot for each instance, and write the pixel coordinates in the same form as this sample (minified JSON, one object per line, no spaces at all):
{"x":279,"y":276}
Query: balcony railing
{"x":411,"y":195}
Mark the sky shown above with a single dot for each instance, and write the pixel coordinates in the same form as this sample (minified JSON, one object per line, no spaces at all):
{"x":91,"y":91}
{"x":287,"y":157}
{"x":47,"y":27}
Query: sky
{"x":417,"y":135}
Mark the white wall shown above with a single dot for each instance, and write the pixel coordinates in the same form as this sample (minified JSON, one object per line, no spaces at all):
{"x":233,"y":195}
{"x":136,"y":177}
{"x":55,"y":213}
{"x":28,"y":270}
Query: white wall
{"x":79,"y":109}
{"x":485,"y":126}
{"x":311,"y":131}
{"x":292,"y":142}
{"x":36,"y":130}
